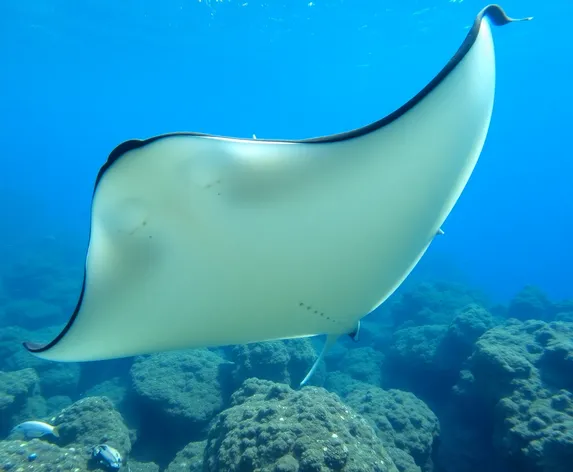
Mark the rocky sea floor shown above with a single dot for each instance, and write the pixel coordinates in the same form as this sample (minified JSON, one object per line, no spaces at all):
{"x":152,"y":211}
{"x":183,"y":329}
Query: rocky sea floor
{"x":439,"y":381}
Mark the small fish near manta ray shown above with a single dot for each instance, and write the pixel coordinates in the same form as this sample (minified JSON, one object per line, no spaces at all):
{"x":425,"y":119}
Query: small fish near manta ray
{"x":199,"y":240}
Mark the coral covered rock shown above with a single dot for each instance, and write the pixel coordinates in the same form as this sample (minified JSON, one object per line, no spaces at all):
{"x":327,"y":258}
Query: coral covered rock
{"x":363,"y":364}
{"x":563,"y":310}
{"x":521,"y":374}
{"x":431,"y":304}
{"x":535,"y":429}
{"x":41,"y":455}
{"x":285,"y":361}
{"x":56,"y":378}
{"x":271,"y":427}
{"x":81,"y":426}
{"x":415,"y":348}
{"x":189,"y":459}
{"x":114,"y":389}
{"x":15,"y":390}
{"x":342,"y":384}
{"x":180,"y":389}
{"x":530,"y":304}
{"x":468,"y":325}
{"x":401,"y":420}
{"x":92,"y":421}
{"x":427,"y":359}
{"x":136,"y":466}
{"x":173,"y":398}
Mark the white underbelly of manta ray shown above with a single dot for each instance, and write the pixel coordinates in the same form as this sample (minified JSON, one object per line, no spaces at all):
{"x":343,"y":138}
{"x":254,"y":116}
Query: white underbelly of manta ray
{"x":203,"y":240}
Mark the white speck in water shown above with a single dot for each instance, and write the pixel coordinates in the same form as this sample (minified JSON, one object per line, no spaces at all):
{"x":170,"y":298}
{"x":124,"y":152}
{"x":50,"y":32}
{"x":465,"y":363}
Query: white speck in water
{"x":325,"y":449}
{"x":281,"y":419}
{"x":334,"y":435}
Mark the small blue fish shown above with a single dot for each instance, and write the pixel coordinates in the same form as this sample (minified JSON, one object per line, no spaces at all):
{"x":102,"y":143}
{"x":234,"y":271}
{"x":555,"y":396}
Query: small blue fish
{"x":36,"y":429}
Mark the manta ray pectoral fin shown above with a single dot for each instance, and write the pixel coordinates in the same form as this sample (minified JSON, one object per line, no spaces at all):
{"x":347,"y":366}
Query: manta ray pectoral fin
{"x":330,"y":341}
{"x":199,"y":240}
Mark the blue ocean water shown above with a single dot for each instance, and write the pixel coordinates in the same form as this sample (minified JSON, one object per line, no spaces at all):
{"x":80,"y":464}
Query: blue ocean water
{"x":78,"y":78}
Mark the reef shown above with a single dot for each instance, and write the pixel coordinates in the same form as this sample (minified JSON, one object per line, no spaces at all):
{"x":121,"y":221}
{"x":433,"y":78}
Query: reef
{"x":81,"y":426}
{"x":521,"y":373}
{"x":271,"y":427}
{"x":16,"y":389}
{"x":280,"y":361}
{"x":401,"y":420}
{"x":440,"y":380}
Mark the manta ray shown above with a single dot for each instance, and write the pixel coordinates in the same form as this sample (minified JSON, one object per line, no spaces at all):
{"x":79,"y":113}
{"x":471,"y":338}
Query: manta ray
{"x":200,"y":240}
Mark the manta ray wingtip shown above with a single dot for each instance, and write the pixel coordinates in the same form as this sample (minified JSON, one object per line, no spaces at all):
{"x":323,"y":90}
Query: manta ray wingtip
{"x":498,"y":16}
{"x":31,"y":346}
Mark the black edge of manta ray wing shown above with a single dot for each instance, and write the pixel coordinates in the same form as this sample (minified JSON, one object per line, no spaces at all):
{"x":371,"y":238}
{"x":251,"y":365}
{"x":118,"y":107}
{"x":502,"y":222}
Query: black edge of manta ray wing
{"x":494,"y":12}
{"x":119,"y":151}
{"x":132,"y":144}
{"x":39,"y":347}
{"x":498,"y":17}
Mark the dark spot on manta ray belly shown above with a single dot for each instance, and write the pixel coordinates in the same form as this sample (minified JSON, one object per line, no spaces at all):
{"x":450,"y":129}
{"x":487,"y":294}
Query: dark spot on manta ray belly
{"x":315,"y":311}
{"x":212,"y":184}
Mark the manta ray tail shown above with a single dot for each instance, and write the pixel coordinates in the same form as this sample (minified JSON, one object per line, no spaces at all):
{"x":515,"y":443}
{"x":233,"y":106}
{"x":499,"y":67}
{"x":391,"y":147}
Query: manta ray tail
{"x":330,"y":341}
